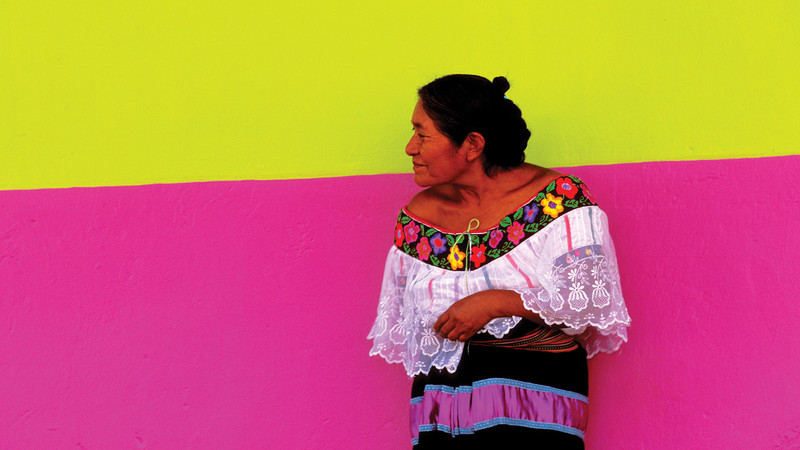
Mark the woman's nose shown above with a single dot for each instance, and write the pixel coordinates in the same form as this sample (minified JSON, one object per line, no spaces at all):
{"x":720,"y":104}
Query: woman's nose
{"x":411,"y":147}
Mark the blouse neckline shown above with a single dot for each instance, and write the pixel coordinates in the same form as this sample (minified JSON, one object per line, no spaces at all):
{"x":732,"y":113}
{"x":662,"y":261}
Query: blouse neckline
{"x":538,"y":194}
{"x":477,"y":231}
{"x":448,"y":249}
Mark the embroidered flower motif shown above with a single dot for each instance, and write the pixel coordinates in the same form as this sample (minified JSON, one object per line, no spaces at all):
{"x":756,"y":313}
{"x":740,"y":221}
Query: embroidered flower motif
{"x":545,"y":297}
{"x":552,"y":205}
{"x":495,"y":238}
{"x":456,"y":258}
{"x":398,"y":333}
{"x":574,"y":275}
{"x":412,"y":232}
{"x":429,"y":343}
{"x":600,"y":295}
{"x":577,"y":298}
{"x":565,"y":186}
{"x":438,"y":243}
{"x":398,"y":235}
{"x":449,"y":346}
{"x":478,"y":255}
{"x":515,"y":232}
{"x":556,"y":300}
{"x":530,"y":213}
{"x":587,"y":194}
{"x":424,"y":249}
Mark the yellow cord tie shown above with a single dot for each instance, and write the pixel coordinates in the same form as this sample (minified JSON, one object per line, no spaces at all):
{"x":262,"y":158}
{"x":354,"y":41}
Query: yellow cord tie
{"x":470,"y":227}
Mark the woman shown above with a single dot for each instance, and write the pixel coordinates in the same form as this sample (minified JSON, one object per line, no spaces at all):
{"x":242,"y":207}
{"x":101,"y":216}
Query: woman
{"x":501,"y":282}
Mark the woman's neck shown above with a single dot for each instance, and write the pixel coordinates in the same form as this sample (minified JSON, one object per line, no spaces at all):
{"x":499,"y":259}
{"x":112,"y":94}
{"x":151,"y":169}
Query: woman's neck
{"x":479,"y":189}
{"x":485,"y":198}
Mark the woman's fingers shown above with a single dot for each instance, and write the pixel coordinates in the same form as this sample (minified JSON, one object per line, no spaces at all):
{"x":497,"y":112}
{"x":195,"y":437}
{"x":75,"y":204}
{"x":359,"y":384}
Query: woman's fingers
{"x":456,"y":332}
{"x":460,"y":334}
{"x":456,"y":324}
{"x":448,"y":326}
{"x":447,"y":329}
{"x":463,"y":318}
{"x":439,"y":322}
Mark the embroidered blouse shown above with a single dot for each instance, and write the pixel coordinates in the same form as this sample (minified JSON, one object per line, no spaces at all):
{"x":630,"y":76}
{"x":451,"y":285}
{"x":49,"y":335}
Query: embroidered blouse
{"x":555,"y":251}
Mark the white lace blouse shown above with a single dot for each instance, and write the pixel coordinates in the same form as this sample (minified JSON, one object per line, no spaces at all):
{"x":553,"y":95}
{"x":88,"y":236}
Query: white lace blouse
{"x":555,"y":251}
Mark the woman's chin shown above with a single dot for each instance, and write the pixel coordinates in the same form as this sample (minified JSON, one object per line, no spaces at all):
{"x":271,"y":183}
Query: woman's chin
{"x":422,"y":181}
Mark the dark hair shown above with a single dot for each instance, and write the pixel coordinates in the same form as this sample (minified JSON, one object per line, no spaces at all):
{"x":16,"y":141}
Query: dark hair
{"x":462,"y":104}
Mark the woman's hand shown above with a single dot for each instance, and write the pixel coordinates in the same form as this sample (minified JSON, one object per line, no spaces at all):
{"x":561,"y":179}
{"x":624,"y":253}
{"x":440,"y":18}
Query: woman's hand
{"x":465,"y":317}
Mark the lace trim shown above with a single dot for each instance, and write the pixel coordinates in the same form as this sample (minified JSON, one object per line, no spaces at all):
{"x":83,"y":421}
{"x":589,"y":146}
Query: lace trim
{"x":593,"y":309}
{"x":443,"y":354}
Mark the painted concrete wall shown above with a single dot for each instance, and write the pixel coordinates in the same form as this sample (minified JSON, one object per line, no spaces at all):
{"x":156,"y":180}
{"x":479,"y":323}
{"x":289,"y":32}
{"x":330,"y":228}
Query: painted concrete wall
{"x":234,"y":314}
{"x":220,"y":312}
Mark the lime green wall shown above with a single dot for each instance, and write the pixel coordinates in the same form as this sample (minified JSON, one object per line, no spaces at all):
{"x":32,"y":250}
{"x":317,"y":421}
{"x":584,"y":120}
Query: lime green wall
{"x":108,"y":93}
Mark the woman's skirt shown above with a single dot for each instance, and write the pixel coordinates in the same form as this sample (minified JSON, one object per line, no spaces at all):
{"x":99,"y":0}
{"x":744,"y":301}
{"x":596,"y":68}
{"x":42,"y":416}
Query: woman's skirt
{"x":530,"y":386}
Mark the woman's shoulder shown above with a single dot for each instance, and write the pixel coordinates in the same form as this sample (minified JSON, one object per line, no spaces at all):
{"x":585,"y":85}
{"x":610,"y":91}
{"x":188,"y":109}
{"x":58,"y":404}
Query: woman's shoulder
{"x":538,"y":178}
{"x":426,"y":202}
{"x":551,"y":180}
{"x":519,"y":183}
{"x":516,"y":188}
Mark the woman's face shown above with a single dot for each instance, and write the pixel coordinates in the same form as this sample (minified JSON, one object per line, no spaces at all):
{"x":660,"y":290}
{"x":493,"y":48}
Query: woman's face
{"x":436,"y":159}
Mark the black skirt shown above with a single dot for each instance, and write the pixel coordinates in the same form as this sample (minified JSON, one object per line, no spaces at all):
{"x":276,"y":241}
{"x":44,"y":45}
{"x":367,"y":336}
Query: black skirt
{"x":531,"y":386}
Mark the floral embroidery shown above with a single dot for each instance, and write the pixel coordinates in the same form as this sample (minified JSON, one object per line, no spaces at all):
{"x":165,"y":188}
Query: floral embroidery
{"x":587,"y":194}
{"x":441,"y":249}
{"x":478,"y":255}
{"x":398,"y":235}
{"x":495,"y":239}
{"x":439,"y":244}
{"x":423,"y":249}
{"x":600,"y":295}
{"x":574,"y":275}
{"x":529,"y":215}
{"x":577,"y":297}
{"x":552,"y":205}
{"x":429,"y":344}
{"x":565,"y":186}
{"x":412,"y":232}
{"x":456,"y":258}
{"x":515,"y":233}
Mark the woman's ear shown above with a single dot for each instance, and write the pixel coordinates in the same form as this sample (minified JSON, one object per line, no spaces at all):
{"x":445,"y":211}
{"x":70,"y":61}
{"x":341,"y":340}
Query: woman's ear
{"x":474,"y":144}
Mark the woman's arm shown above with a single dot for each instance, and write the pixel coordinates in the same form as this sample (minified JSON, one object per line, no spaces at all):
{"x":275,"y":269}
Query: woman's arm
{"x":467,"y":316}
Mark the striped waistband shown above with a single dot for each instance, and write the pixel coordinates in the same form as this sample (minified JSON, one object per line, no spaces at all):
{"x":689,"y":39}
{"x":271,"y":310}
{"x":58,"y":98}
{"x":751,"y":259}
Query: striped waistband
{"x":540,"y":339}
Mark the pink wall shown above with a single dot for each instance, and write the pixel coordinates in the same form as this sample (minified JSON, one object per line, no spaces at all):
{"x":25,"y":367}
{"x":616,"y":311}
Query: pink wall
{"x":234,"y":314}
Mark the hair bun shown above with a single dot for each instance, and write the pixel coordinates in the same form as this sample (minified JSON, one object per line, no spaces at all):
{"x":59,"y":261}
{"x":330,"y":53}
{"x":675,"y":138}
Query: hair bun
{"x":460,"y":104}
{"x":500,"y":84}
